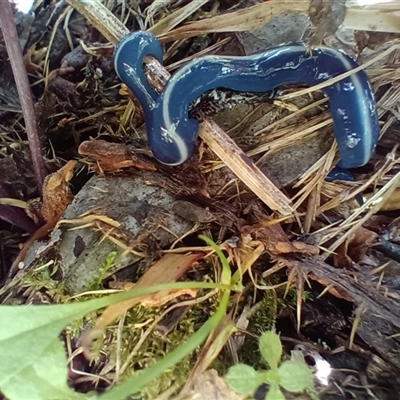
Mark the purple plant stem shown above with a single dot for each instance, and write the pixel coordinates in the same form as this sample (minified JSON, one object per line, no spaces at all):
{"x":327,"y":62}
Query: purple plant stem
{"x":24,"y":90}
{"x":14,"y":215}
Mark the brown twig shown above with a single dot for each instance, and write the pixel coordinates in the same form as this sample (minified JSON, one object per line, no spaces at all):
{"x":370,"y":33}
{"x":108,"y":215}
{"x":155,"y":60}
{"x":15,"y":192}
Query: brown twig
{"x":24,"y":90}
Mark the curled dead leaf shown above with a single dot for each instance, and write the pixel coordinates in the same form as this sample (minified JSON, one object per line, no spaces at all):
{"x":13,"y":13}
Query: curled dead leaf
{"x":354,"y":248}
{"x":275,"y":240}
{"x":56,"y":193}
{"x":111,"y":157}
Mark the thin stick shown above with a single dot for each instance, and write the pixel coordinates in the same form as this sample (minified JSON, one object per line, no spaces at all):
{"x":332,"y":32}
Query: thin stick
{"x":242,"y":166}
{"x":24,"y":90}
{"x":101,"y":18}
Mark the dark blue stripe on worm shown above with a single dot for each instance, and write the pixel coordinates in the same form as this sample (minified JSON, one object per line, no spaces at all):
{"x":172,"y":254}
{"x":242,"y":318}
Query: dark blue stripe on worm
{"x":172,"y":134}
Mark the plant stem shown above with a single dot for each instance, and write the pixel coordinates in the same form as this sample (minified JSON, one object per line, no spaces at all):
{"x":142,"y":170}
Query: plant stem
{"x":24,"y":90}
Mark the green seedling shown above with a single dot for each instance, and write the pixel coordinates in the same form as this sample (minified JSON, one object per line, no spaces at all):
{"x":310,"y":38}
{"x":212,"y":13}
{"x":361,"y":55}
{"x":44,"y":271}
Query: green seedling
{"x":292,"y":376}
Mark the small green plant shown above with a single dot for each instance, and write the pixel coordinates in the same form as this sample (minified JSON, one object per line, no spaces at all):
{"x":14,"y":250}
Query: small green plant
{"x":97,"y":282}
{"x":293,"y":376}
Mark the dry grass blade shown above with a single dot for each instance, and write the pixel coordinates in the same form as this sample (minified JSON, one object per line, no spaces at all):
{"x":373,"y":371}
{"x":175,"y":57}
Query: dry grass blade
{"x":14,"y":202}
{"x":89,"y":219}
{"x":291,"y":134}
{"x":290,"y":116}
{"x":214,"y":345}
{"x":285,"y":137}
{"x":315,"y":176}
{"x":357,"y":320}
{"x":154,"y":324}
{"x":174,"y":19}
{"x":208,"y":50}
{"x":60,"y":19}
{"x":373,"y":205}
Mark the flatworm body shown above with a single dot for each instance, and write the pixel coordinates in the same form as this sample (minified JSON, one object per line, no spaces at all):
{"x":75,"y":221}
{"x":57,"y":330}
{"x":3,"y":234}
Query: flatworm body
{"x":172,"y":133}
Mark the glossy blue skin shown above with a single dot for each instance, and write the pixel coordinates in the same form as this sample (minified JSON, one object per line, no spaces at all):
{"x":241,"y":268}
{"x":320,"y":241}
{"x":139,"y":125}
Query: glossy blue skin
{"x":340,"y":174}
{"x":172,"y":134}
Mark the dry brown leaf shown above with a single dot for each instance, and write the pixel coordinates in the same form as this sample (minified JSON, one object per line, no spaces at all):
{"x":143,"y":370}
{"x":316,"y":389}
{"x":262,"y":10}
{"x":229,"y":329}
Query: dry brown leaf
{"x":31,"y":60}
{"x":56,"y":193}
{"x":333,"y":290}
{"x":354,"y":248}
{"x":111,"y":157}
{"x":275,"y":240}
{"x":168,"y":269}
{"x":161,"y":298}
{"x":56,"y":198}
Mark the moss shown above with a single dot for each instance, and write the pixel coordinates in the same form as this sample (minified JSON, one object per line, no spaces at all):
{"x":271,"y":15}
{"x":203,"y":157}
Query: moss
{"x":264,"y":320}
{"x":154,"y":347}
{"x":41,"y":278}
{"x":104,"y":271}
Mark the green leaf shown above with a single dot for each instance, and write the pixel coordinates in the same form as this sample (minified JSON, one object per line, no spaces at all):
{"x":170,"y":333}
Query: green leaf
{"x":226,"y":275}
{"x":31,"y":350}
{"x":274,"y":393}
{"x":45,"y":376}
{"x":243,"y":379}
{"x":295,"y":377}
{"x":33,"y":360}
{"x":271,"y":348}
{"x":271,"y":376}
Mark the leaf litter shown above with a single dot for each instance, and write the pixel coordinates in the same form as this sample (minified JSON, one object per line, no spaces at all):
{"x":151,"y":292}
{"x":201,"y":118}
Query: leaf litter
{"x":322,"y":270}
